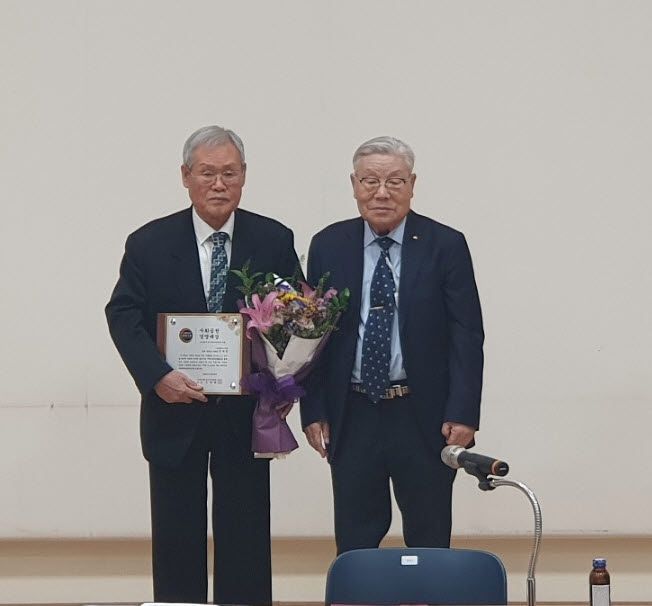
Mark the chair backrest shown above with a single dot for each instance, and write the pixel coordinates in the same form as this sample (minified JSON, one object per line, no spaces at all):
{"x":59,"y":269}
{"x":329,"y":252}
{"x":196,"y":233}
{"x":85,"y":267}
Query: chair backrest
{"x":416,"y":576}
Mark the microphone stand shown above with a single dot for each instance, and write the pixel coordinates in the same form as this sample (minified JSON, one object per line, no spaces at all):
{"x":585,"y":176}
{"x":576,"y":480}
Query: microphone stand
{"x":488,"y":483}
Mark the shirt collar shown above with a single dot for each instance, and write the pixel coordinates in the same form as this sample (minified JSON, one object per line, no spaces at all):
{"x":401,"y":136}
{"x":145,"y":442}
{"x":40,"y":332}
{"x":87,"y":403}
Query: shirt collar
{"x":396,"y":234}
{"x":203,"y":231}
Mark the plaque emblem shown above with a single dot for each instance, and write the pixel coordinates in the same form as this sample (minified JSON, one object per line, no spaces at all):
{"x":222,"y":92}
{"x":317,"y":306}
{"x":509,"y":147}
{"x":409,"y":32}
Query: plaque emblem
{"x":185,"y":334}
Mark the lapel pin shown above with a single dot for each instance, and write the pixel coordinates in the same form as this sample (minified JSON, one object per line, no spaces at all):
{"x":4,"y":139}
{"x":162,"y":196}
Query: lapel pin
{"x":415,"y":237}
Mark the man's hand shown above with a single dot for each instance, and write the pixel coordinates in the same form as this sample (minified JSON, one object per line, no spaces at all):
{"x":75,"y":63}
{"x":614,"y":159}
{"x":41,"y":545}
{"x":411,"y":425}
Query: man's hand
{"x":177,"y":388}
{"x":457,"y":434}
{"x":318,"y":435}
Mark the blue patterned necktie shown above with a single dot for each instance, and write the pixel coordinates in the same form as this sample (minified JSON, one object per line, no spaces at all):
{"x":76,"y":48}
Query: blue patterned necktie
{"x":219,"y":271}
{"x":377,"y":341}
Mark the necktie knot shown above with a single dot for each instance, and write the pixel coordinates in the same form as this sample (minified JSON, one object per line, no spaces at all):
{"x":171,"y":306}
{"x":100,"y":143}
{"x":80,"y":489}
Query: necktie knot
{"x":219,"y":238}
{"x":385,"y":243}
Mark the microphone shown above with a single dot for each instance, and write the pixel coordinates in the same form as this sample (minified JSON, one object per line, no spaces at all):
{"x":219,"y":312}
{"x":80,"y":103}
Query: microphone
{"x":456,"y":457}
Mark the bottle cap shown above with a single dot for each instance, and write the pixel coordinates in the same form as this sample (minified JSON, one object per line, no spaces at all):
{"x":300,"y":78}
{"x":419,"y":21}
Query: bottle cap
{"x":599,"y":563}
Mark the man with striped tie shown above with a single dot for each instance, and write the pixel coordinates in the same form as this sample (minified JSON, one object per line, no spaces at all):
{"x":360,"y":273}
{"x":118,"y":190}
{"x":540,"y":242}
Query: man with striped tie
{"x":180,"y":264}
{"x":402,"y":376}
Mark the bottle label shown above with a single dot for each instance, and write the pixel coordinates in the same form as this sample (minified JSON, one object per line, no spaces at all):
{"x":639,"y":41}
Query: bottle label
{"x":600,"y":595}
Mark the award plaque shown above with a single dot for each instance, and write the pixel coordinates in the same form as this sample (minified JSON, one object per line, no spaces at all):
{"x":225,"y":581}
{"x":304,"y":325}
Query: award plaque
{"x":210,"y":348}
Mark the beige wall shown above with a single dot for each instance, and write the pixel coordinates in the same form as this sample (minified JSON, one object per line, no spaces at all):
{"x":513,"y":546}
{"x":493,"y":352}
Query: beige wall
{"x":531,"y":125}
{"x":118,"y":571}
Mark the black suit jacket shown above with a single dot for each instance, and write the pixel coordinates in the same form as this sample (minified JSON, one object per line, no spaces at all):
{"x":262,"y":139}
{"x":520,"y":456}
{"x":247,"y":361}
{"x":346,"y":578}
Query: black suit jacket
{"x":440,"y":325}
{"x":160,"y":272}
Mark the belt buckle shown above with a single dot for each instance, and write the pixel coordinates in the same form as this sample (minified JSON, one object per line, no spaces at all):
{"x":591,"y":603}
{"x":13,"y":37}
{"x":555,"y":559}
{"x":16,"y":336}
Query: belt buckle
{"x":393,"y":391}
{"x":396,"y":391}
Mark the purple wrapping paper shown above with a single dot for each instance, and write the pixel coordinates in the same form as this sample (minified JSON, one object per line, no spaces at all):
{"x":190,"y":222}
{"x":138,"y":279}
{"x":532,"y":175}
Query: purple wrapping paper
{"x":270,"y":433}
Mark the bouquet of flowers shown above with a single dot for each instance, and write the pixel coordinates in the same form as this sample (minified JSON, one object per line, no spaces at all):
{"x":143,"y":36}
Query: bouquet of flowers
{"x":289,"y":324}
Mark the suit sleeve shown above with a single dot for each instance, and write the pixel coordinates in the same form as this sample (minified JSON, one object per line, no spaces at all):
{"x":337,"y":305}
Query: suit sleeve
{"x":125,"y":313}
{"x":289,"y":262}
{"x":313,"y":408}
{"x":466,"y":337}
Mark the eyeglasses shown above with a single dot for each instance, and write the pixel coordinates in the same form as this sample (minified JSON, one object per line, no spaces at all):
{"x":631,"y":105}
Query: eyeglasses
{"x":228,"y":177}
{"x":392,"y":184}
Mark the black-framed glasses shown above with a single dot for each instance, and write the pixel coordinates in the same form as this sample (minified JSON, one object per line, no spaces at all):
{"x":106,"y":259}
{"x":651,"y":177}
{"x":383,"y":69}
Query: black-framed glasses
{"x":392,"y":184}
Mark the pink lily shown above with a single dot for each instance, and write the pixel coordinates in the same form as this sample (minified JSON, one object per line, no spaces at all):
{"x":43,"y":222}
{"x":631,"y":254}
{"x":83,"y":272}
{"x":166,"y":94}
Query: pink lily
{"x":262,"y":314}
{"x":308,"y":292}
{"x":329,"y":294}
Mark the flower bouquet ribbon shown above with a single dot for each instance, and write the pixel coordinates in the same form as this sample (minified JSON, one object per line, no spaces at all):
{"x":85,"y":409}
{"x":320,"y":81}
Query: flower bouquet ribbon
{"x":271,"y":433}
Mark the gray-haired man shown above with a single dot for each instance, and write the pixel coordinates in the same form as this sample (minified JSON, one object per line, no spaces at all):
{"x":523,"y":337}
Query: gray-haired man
{"x":402,"y":376}
{"x":180,"y":263}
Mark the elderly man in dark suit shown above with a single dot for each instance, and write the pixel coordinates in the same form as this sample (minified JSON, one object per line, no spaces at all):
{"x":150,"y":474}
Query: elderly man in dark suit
{"x":402,"y":376}
{"x":180,"y":264}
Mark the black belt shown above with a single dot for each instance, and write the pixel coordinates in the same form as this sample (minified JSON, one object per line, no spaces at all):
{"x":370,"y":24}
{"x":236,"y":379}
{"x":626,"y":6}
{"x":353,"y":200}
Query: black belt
{"x":393,"y":391}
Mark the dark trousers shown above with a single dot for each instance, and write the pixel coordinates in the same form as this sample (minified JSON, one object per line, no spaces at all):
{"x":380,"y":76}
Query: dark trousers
{"x":383,"y":442}
{"x":240,"y":515}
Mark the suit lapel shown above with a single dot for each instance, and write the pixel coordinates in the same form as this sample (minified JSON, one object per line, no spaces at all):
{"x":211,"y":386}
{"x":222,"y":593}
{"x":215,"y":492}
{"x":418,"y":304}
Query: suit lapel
{"x":185,"y":266}
{"x":352,"y":252}
{"x":413,"y":251}
{"x":243,"y":248}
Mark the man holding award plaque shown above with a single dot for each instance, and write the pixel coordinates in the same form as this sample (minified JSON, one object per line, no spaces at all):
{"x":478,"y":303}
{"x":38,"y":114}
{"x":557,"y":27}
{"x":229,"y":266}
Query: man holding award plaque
{"x":187,"y":364}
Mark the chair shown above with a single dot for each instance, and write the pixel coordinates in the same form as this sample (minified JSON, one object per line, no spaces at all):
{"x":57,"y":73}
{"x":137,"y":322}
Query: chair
{"x":416,"y":576}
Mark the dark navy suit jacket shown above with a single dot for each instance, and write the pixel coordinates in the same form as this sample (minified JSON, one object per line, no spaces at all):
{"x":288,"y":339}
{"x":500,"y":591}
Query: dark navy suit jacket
{"x":440,"y":325}
{"x":160,"y":273}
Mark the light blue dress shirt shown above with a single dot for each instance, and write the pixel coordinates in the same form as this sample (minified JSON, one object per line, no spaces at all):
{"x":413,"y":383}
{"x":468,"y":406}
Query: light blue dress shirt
{"x":371,"y":256}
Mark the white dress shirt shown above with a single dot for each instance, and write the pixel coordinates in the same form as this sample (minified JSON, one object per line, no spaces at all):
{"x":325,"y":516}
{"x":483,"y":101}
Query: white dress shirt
{"x":203,"y":233}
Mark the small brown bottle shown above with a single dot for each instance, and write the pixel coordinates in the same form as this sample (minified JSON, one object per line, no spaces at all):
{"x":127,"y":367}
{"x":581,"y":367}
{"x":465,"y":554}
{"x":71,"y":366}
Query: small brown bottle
{"x":599,"y":583}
